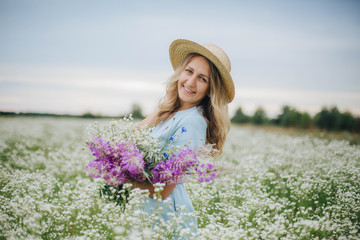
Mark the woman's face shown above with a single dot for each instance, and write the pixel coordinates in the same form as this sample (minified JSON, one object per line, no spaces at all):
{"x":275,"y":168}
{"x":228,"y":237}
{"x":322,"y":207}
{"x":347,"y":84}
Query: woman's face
{"x":193,"y":84}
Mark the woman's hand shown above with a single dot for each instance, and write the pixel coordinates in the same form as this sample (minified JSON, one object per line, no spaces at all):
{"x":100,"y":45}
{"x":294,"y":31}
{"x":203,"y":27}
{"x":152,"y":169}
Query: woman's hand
{"x":164,"y":193}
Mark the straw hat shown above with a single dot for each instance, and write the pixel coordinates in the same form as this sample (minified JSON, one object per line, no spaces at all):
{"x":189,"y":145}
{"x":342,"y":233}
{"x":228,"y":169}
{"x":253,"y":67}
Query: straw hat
{"x":180,"y":48}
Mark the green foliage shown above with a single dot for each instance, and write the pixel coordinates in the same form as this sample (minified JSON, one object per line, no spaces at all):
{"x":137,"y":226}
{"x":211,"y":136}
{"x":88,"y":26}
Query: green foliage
{"x":348,"y":121}
{"x":305,"y":120}
{"x":137,"y":112}
{"x":329,"y":119}
{"x":260,"y":116}
{"x":333,"y":120}
{"x":88,"y":115}
{"x":118,"y":194}
{"x":290,"y":117}
{"x":240,"y":117}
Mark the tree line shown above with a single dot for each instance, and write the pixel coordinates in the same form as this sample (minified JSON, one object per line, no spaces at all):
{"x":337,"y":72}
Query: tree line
{"x":330,"y":119}
{"x":135,"y":111}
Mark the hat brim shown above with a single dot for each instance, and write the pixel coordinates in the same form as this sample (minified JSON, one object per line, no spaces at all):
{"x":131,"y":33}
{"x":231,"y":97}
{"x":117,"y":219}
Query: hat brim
{"x":180,"y":48}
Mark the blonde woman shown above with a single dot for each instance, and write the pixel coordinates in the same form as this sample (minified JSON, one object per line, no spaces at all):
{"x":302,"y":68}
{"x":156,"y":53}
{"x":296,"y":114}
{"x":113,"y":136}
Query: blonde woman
{"x":194,"y":110}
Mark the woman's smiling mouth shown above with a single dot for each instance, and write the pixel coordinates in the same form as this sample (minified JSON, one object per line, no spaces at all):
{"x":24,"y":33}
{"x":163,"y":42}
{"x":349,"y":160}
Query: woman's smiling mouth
{"x":188,"y":90}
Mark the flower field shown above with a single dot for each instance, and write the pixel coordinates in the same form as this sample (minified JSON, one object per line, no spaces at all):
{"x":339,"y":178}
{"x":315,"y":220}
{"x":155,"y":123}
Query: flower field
{"x":271,"y":186}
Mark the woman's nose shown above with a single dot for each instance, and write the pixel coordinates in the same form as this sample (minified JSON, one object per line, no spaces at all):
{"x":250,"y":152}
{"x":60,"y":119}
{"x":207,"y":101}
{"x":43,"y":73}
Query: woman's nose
{"x":192,"y":80}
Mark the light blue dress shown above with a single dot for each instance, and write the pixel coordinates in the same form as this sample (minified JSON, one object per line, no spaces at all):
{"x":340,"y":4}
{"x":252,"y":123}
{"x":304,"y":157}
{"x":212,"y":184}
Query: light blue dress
{"x":185,"y":128}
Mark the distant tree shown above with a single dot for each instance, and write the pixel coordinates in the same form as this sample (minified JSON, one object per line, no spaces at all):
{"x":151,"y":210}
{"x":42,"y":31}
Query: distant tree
{"x":305,"y":120}
{"x":136,"y":111}
{"x":289,"y":117}
{"x":357,"y":125}
{"x":260,"y":117}
{"x":240,"y":117}
{"x":333,"y":120}
{"x":280,"y":118}
{"x":321,"y":119}
{"x":347,"y":122}
{"x":88,"y":115}
{"x":7,"y":113}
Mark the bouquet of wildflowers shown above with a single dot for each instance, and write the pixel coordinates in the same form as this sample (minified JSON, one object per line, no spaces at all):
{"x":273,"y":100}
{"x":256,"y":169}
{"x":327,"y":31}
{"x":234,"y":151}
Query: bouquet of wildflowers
{"x":125,"y":151}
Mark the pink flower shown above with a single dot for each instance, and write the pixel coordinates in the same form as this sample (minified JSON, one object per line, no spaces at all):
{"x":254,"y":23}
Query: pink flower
{"x":132,"y":161}
{"x":115,"y":163}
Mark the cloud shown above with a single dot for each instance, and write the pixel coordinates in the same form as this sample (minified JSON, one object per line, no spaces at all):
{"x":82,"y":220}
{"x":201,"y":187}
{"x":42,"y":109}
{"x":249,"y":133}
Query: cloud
{"x":109,"y":101}
{"x":9,"y":99}
{"x":113,"y":91}
{"x":73,"y":90}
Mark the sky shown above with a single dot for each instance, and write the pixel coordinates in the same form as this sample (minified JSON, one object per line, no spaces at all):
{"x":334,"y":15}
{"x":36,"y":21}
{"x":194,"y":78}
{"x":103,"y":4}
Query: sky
{"x":104,"y":56}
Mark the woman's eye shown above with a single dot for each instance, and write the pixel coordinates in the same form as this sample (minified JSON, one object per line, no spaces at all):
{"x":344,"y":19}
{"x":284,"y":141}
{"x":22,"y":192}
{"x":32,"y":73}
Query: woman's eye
{"x":188,"y":70}
{"x":203,"y":79}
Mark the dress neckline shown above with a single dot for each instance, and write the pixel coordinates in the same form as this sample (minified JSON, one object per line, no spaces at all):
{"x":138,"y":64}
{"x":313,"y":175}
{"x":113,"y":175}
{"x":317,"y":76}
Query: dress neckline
{"x":198,"y":108}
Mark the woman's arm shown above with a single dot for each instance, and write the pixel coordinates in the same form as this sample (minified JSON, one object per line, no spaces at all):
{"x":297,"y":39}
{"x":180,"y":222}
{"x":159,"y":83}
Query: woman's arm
{"x":149,"y":120}
{"x":147,"y":186}
{"x":190,"y":132}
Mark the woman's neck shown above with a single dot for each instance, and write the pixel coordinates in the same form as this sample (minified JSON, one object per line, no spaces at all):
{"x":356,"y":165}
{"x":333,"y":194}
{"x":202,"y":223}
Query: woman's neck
{"x":184,"y":107}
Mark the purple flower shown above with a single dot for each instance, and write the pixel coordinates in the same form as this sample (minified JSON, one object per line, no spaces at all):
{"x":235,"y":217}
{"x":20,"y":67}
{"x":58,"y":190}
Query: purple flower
{"x":132,"y":161}
{"x":174,"y":169}
{"x":118,"y":162}
{"x":115,"y":163}
{"x":203,"y":172}
{"x":162,"y":173}
{"x":99,"y":147}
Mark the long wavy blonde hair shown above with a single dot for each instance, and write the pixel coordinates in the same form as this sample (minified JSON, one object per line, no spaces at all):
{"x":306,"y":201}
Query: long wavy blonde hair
{"x":214,"y":105}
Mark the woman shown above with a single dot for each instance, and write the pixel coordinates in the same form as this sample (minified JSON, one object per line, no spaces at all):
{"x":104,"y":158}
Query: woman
{"x":192,"y":113}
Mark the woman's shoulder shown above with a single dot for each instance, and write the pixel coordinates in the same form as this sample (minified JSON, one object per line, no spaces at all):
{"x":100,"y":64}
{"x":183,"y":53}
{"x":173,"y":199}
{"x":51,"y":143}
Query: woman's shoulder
{"x":193,"y":116}
{"x":189,"y":128}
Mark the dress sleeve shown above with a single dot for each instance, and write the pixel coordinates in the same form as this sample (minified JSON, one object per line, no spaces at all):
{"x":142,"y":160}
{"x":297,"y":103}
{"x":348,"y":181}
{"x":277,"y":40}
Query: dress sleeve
{"x":190,"y":132}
